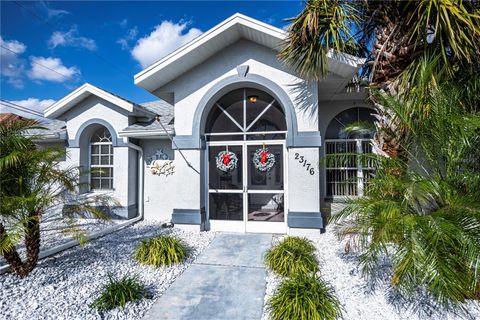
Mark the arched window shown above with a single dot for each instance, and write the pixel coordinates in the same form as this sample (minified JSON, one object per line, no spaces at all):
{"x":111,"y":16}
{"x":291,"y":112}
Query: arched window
{"x":349,"y":134}
{"x":101,"y":160}
{"x":246,"y":114}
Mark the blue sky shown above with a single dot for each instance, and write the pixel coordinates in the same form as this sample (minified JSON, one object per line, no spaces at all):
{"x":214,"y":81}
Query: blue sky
{"x":60,"y":45}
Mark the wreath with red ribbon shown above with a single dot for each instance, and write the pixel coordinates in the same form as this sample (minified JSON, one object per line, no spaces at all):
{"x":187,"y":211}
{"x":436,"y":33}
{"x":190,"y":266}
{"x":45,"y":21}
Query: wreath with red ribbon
{"x":226,"y":161}
{"x":263,"y":159}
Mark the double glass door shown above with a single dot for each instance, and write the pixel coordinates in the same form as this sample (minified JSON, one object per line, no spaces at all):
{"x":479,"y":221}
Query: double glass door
{"x":245,"y":198}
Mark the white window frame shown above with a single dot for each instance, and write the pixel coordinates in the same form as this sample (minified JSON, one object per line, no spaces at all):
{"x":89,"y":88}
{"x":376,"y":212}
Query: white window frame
{"x":110,"y":156}
{"x":340,"y":188}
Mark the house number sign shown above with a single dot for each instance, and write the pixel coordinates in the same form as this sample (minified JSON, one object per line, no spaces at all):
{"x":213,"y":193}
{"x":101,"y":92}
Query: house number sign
{"x":307,"y":165}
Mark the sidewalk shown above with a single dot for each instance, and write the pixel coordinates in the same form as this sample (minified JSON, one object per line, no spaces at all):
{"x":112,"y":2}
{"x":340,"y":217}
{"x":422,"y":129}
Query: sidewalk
{"x":227,"y":281}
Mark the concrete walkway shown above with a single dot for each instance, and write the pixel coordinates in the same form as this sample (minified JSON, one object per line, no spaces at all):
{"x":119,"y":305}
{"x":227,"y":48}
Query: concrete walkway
{"x":227,"y":281}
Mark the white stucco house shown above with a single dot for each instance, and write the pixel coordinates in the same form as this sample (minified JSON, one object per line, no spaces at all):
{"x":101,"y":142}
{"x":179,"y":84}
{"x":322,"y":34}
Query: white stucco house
{"x":224,"y":93}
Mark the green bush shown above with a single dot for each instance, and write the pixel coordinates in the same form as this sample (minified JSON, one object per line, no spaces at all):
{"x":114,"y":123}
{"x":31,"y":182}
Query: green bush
{"x":292,"y":255}
{"x":161,"y":250}
{"x":117,"y":292}
{"x":304,"y":296}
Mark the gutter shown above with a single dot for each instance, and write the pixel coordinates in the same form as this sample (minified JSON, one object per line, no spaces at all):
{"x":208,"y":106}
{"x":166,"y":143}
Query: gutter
{"x":144,"y":133}
{"x":73,"y":243}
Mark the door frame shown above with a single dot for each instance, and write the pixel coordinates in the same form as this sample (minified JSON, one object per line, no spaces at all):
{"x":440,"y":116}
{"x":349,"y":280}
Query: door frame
{"x":245,"y":225}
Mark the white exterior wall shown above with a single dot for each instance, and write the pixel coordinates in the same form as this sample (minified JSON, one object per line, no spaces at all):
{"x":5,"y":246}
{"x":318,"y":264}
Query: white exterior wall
{"x":124,"y":158}
{"x":191,"y":87}
{"x":303,"y":187}
{"x":160,"y":191}
{"x":94,"y":108}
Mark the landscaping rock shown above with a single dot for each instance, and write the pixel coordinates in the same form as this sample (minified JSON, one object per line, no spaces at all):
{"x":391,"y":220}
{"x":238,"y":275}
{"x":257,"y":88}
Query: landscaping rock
{"x":63,"y":286}
{"x":362,"y":299}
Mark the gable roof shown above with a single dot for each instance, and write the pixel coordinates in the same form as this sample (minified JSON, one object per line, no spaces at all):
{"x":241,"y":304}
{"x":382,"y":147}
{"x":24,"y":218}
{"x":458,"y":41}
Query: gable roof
{"x":52,"y":130}
{"x":81,"y":93}
{"x":222,"y":35}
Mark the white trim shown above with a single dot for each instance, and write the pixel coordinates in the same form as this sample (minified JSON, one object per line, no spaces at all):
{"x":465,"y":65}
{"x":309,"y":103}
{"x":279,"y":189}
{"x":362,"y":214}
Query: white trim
{"x":99,"y":165}
{"x":245,"y":225}
{"x":242,"y":133}
{"x":81,"y":93}
{"x":144,"y":133}
{"x":235,"y":19}
{"x":237,"y":22}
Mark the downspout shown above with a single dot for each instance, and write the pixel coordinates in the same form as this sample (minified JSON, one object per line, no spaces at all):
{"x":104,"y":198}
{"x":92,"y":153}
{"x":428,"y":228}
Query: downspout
{"x":73,"y":243}
{"x":140,"y":180}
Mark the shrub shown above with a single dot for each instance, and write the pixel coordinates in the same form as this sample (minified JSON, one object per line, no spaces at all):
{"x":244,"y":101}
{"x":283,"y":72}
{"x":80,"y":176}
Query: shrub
{"x":161,"y":250}
{"x":304,"y":296}
{"x":292,"y":255}
{"x":117,"y":292}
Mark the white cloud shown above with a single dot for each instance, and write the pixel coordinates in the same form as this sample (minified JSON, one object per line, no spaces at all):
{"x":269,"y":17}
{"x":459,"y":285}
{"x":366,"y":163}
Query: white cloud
{"x":34,"y":103}
{"x":71,"y":39}
{"x":165,"y":38}
{"x":130,"y":36}
{"x":50,"y":69}
{"x":11,"y":64}
{"x":49,"y":12}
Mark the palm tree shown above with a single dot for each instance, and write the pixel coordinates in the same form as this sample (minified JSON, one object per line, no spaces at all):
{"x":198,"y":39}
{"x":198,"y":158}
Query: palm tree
{"x":32,"y":182}
{"x":394,"y":36}
{"x":426,"y":220}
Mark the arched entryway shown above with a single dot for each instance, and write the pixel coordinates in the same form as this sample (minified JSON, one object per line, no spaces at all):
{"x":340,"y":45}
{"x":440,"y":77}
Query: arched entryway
{"x":245,"y":132}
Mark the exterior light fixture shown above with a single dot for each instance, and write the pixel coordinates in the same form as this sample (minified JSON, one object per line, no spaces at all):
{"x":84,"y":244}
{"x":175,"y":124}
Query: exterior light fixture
{"x":252,"y":99}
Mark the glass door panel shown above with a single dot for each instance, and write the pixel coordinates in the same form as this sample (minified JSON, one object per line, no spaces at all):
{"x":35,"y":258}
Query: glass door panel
{"x":226,"y":206}
{"x":265,"y":180}
{"x":266,"y":207}
{"x":220,"y":180}
{"x":225,"y":189}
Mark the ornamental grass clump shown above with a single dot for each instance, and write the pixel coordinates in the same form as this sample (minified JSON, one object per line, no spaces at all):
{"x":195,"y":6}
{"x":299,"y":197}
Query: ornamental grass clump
{"x":162,"y":250}
{"x":291,"y":256}
{"x":304,"y":296}
{"x":117,"y":292}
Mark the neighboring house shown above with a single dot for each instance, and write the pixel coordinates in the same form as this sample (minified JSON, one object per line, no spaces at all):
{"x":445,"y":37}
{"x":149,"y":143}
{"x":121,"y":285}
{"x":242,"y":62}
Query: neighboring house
{"x":224,"y":91}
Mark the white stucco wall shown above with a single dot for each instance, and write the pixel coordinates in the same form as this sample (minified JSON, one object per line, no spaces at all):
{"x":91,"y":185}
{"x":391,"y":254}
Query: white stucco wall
{"x":160,"y":191}
{"x":124,"y":158}
{"x":192,"y":86}
{"x":189,"y":89}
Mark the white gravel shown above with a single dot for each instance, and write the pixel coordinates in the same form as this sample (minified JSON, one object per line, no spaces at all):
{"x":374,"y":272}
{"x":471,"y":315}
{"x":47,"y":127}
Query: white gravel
{"x":63,"y":286}
{"x":53,"y":227}
{"x":359,"y":297}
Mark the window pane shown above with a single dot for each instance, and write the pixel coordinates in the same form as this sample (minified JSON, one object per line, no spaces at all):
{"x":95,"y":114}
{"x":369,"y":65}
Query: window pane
{"x":95,"y":160}
{"x":272,"y":120}
{"x":232,"y":103}
{"x":105,"y":149}
{"x":266,"y":207}
{"x":95,"y":173}
{"x":105,"y":160}
{"x":226,"y":206}
{"x":337,"y":127}
{"x":266,"y":180}
{"x":95,"y":149}
{"x":106,"y":184}
{"x":95,"y":184}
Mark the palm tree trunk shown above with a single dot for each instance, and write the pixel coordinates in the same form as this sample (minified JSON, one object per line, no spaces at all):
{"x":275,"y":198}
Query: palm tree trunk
{"x":11,"y":255}
{"x":32,"y":245}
